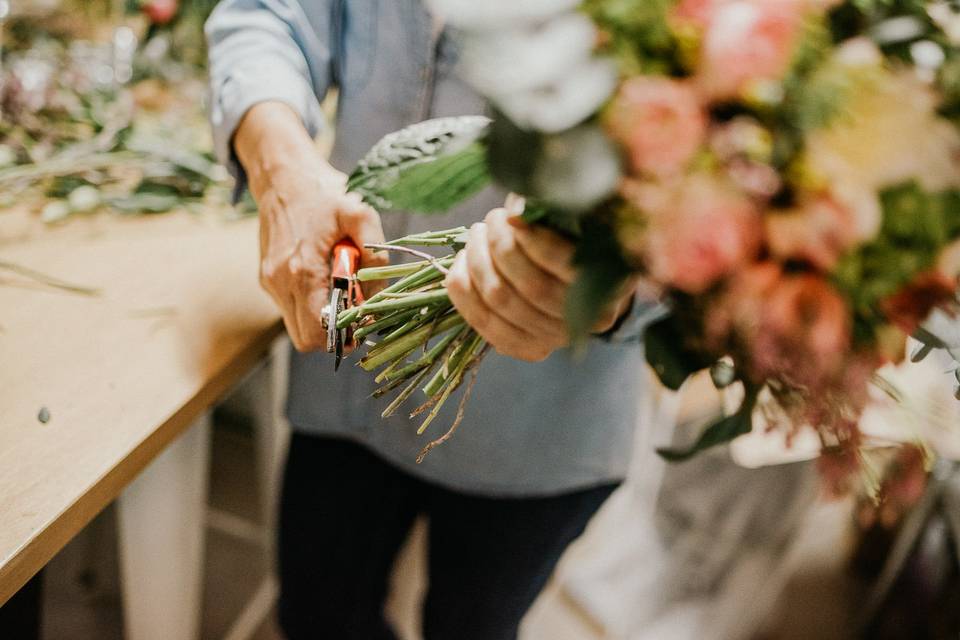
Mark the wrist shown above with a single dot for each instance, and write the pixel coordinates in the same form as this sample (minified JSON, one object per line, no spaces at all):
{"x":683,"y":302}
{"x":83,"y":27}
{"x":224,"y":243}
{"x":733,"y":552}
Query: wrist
{"x":277,"y":152}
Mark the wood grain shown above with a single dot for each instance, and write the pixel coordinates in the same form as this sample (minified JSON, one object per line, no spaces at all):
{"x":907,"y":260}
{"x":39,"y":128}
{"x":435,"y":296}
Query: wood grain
{"x":180,"y":320}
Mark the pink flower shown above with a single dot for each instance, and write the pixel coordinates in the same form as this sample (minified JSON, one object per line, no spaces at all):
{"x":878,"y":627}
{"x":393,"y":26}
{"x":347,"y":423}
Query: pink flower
{"x":746,"y":41}
{"x":822,"y":230}
{"x":696,"y":13}
{"x":699,"y":230}
{"x":816,"y":233}
{"x":804,"y":330}
{"x":660,"y":122}
{"x":789,"y":327}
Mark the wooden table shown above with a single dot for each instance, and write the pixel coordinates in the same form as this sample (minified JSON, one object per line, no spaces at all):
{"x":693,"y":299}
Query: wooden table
{"x":179,"y":320}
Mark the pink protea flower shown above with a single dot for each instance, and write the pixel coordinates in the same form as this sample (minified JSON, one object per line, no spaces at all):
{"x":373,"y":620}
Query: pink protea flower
{"x":698,"y":230}
{"x":746,"y":41}
{"x":660,"y":122}
{"x":804,"y":331}
{"x":790,"y":327}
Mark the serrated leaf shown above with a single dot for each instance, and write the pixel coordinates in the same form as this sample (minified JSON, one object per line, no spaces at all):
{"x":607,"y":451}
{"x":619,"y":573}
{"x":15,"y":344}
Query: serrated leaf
{"x":720,"y":432}
{"x":436,"y":186}
{"x":427,"y":167}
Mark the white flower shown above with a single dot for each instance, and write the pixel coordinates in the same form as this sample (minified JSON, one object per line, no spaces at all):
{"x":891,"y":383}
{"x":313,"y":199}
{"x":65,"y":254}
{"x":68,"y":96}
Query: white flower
{"x":927,"y":410}
{"x":946,"y":328}
{"x":889,"y":132}
{"x":577,"y":168}
{"x":491,"y":14}
{"x":859,"y":52}
{"x":505,"y":62}
{"x":564,"y":103}
{"x":947,"y":19}
{"x":769,"y":443}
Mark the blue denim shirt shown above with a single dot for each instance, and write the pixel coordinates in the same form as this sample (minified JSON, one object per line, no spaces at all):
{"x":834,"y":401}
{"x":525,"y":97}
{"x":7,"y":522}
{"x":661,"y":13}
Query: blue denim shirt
{"x":530,"y":429}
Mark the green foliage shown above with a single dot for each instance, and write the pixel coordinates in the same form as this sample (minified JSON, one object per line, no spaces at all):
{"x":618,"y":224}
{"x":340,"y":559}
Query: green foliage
{"x":436,"y":186}
{"x":601,"y":270}
{"x":720,"y":432}
{"x":425,"y":168}
{"x":916,"y":226}
{"x":640,"y":37}
{"x":814,"y":92}
{"x":137,"y":203}
{"x":672,"y":360}
{"x":512,"y":154}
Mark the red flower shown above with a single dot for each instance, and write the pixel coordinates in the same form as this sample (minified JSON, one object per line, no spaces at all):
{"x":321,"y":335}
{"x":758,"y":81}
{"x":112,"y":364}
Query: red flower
{"x":160,"y":11}
{"x":910,"y":306}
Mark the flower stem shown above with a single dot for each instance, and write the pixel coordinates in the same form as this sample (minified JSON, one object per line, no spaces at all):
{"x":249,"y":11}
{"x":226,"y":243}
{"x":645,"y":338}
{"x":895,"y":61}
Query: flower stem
{"x":396,"y":304}
{"x":408,"y":342}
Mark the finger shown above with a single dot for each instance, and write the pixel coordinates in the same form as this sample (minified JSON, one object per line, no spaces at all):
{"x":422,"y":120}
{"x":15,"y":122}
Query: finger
{"x":540,"y":288}
{"x":309,"y":274}
{"x":288,"y":308}
{"x":497,"y":293}
{"x":502,"y":336}
{"x":312,"y":336}
{"x":361,"y":223}
{"x":547,"y":249}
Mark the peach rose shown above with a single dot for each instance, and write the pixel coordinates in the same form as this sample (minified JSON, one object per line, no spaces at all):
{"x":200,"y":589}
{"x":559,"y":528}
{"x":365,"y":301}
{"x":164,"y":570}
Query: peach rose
{"x":660,"y":122}
{"x":822,"y":230}
{"x":699,"y":230}
{"x":746,"y":41}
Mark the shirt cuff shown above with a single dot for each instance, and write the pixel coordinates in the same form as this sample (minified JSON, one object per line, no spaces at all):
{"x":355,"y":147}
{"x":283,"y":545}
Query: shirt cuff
{"x":251,"y":85}
{"x":642,"y":313}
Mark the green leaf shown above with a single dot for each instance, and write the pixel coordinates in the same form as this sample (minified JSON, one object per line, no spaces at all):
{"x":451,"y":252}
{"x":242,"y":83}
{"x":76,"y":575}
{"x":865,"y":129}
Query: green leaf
{"x":144,"y":203}
{"x":665,"y":351}
{"x":512,"y":154}
{"x":720,"y":432}
{"x":436,"y":186}
{"x":425,"y":168}
{"x":601,"y":270}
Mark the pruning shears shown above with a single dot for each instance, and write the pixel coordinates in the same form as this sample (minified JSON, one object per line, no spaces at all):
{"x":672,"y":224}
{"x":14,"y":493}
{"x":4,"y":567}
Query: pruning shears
{"x":345,"y":293}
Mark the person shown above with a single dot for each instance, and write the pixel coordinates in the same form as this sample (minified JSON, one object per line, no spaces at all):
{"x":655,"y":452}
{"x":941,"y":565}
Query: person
{"x":547,"y":433}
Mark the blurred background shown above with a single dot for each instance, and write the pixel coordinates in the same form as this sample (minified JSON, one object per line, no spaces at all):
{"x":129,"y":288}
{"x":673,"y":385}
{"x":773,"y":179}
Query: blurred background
{"x":103,"y":117}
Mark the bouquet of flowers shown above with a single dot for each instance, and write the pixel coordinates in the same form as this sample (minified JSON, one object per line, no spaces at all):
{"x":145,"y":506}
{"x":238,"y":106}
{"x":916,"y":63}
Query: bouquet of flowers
{"x":785,"y":172}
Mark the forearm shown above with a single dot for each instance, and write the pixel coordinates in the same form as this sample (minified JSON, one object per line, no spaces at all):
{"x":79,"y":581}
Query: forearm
{"x":275,"y":149}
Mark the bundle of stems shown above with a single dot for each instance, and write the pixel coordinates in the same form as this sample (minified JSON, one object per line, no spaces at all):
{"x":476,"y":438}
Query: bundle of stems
{"x":421,"y":340}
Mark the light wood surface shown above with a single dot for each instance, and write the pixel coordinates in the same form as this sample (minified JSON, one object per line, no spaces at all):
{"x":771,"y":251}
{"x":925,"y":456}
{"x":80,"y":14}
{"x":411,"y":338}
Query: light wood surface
{"x":180,"y":319}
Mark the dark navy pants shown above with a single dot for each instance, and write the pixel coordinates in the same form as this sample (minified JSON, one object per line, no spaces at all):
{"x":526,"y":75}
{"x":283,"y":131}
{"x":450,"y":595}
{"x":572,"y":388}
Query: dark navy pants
{"x":345,"y":513}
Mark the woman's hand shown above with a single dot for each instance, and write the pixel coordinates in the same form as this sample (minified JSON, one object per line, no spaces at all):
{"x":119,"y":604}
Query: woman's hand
{"x":510,"y":283}
{"x":304,"y":211}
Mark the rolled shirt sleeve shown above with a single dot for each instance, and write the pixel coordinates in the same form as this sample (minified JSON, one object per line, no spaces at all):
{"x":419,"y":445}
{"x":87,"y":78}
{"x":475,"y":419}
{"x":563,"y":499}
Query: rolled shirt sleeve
{"x":266,"y":50}
{"x":642,"y":313}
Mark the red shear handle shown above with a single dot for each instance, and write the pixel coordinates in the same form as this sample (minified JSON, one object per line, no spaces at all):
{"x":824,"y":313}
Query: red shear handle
{"x":345,"y":260}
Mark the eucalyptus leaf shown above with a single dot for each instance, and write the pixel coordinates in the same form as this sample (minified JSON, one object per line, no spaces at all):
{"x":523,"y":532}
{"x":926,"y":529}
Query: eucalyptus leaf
{"x":720,"y":432}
